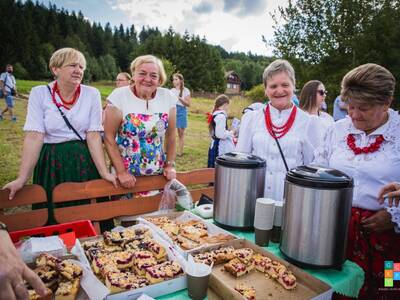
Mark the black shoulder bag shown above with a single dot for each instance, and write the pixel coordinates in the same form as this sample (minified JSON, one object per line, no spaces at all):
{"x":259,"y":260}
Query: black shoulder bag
{"x":69,"y":125}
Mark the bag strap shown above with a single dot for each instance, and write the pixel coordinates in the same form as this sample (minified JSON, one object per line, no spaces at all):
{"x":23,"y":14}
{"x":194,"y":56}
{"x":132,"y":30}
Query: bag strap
{"x":69,"y":125}
{"x":5,"y":82}
{"x":214,"y":124}
{"x":281,"y":152}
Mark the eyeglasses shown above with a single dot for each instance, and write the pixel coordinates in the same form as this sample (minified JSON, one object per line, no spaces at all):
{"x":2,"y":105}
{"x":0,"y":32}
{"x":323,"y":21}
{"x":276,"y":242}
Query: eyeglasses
{"x":322,"y":92}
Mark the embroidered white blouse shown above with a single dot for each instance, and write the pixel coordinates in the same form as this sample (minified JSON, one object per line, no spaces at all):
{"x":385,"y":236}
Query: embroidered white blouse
{"x":297,"y":145}
{"x":370,"y":171}
{"x":323,"y":120}
{"x":226,"y":137}
{"x":43,"y":115}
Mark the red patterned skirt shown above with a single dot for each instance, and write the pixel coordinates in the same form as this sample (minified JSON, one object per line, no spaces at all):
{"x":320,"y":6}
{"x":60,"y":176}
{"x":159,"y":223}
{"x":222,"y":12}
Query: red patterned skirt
{"x":370,"y":250}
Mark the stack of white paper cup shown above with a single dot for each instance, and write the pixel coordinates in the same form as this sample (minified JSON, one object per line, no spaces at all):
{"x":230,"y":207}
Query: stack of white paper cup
{"x":264,"y":220}
{"x":276,"y":231}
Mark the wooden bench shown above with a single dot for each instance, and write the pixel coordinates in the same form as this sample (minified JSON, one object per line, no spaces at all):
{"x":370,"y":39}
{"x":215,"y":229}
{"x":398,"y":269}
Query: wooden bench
{"x":100,"y":188}
{"x":17,"y":218}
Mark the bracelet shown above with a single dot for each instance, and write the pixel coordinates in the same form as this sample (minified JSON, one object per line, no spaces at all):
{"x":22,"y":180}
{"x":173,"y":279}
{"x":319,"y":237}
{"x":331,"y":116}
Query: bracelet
{"x":170,"y":163}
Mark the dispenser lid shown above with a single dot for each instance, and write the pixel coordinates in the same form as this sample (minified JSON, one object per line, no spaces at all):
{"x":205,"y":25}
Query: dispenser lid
{"x":240,"y":160}
{"x":319,"y":177}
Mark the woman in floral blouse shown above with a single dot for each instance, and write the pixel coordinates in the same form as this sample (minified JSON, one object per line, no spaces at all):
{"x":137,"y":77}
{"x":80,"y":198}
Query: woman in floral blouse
{"x":138,"y":119}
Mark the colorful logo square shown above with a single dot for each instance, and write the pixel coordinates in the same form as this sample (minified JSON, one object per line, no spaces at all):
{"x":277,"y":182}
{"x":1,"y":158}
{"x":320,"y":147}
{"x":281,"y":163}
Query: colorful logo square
{"x":396,"y":267}
{"x":388,"y":282}
{"x":388,"y":273}
{"x":396,"y":276}
{"x":388,"y":264}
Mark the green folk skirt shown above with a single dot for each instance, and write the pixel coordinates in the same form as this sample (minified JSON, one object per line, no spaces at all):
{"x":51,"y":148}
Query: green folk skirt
{"x":63,"y":162}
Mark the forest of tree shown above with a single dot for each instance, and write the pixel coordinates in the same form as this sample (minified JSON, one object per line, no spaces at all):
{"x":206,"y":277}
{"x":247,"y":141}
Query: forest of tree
{"x":31,"y":32}
{"x":326,"y":39}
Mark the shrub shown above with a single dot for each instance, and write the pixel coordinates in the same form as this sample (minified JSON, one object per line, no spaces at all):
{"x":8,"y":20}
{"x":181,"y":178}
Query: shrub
{"x":20,"y":72}
{"x":256,"y":94}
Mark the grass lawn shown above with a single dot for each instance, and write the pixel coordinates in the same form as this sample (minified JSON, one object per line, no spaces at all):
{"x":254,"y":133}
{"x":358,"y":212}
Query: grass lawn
{"x":196,"y":142}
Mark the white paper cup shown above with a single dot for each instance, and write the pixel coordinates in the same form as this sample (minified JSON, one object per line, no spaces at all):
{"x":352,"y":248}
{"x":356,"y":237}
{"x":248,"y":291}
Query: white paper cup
{"x":264,"y":214}
{"x":278,"y":213}
{"x":198,"y":275}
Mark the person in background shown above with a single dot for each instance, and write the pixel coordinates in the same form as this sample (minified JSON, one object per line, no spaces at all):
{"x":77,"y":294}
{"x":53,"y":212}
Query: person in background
{"x":221,"y":137}
{"x":183,"y":95}
{"x":13,"y":271}
{"x":366,"y":146}
{"x":312,"y":95}
{"x":54,"y":151}
{"x":391,"y":191}
{"x":280,"y":121}
{"x":8,"y":85}
{"x":139,"y":118}
{"x":339,"y":109}
{"x":123,"y":79}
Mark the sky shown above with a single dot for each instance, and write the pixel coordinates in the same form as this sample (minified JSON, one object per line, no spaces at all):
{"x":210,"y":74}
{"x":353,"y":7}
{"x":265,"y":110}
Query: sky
{"x":236,"y":25}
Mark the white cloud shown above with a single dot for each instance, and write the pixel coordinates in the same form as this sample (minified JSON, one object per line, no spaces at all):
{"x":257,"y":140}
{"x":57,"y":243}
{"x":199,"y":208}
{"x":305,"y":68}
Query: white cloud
{"x":203,"y":7}
{"x":236,"y":25}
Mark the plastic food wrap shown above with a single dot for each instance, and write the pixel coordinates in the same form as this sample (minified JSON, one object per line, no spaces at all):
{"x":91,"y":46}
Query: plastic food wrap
{"x":175,"y":195}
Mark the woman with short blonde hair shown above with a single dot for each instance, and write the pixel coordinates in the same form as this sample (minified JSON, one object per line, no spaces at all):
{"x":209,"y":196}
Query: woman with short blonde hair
{"x":139,"y":118}
{"x":150,"y":59}
{"x":279,"y":132}
{"x":62,"y":130}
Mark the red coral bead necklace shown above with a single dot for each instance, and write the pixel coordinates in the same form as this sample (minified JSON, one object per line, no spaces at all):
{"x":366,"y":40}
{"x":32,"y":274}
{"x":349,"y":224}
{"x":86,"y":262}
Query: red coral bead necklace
{"x":279,"y":131}
{"x":351,"y":142}
{"x":64,"y":103}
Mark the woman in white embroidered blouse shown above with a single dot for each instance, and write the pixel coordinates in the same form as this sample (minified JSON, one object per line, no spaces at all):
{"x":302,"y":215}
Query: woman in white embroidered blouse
{"x":292,"y":127}
{"x":52,"y":150}
{"x":366,"y":146}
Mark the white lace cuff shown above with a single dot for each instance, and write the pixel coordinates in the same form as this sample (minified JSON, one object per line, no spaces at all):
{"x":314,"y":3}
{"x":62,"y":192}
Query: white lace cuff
{"x":395,"y":212}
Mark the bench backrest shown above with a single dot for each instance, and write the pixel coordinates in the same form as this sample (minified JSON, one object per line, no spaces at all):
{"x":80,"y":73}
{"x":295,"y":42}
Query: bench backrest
{"x":97,"y":211}
{"x":17,"y":213}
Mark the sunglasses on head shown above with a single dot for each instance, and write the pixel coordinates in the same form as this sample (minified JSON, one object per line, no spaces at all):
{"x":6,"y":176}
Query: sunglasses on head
{"x":322,"y":92}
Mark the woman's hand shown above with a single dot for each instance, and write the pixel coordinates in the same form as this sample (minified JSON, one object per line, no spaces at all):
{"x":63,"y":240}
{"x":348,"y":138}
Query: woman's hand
{"x":169,"y":172}
{"x":390,"y":191}
{"x":14,"y":187}
{"x":378,"y":222}
{"x":127,"y":180}
{"x":111,"y":178}
{"x":13,"y":272}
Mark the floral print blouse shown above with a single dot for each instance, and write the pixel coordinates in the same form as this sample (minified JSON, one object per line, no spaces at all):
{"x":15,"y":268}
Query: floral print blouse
{"x":142,"y":132}
{"x":140,"y":140}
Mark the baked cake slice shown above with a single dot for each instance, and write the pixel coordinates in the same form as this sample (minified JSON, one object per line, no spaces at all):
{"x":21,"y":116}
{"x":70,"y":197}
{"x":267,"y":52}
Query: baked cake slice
{"x":67,"y":290}
{"x":248,"y":293}
{"x":244,"y":254}
{"x":237,"y":268}
{"x":223,"y":254}
{"x":261,"y":261}
{"x":120,"y":282}
{"x":69,"y":270}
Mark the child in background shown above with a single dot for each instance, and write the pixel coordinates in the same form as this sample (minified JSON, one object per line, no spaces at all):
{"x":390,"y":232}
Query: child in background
{"x":221,"y":137}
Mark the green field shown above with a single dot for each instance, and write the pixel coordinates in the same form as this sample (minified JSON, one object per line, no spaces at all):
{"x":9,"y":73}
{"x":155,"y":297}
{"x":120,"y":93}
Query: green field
{"x":197,"y":138}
